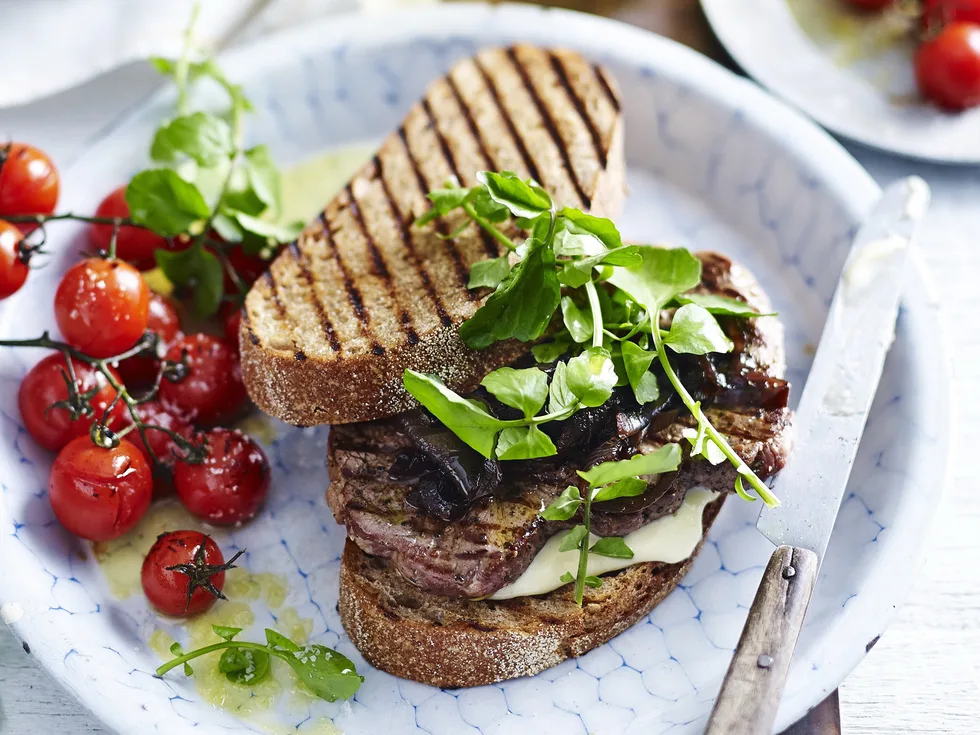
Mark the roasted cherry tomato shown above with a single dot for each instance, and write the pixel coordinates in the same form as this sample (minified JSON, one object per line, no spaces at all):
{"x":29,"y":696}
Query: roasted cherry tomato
{"x":99,"y":494}
{"x":212,"y":389}
{"x":230,"y":485}
{"x":232,"y":321}
{"x":937,"y":14}
{"x":184,"y":573}
{"x":28,"y":181}
{"x":948,"y":67}
{"x":44,"y":385}
{"x":162,"y":318}
{"x":102,"y":306}
{"x":248,"y":268}
{"x":135,"y":244}
{"x":156,"y":414}
{"x":13,"y":269}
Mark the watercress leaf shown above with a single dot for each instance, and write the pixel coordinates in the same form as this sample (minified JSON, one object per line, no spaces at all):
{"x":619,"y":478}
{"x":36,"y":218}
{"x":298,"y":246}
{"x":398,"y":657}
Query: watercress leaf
{"x":489,"y":273}
{"x":550,"y":351}
{"x":637,"y":363}
{"x":162,"y":65}
{"x":444,"y":201}
{"x":245,"y":666}
{"x":328,"y":674}
{"x":278,"y":232}
{"x":227,"y":228}
{"x":522,"y":305}
{"x":612,"y":546}
{"x":564,"y":506}
{"x":591,"y":376}
{"x":593,"y":581}
{"x":579,"y":222}
{"x":524,"y":443}
{"x":278,"y":642}
{"x":721,"y":305}
{"x":159,"y":199}
{"x":628,"y":487}
{"x":239,"y":195}
{"x":567,"y":578}
{"x":578,"y":323}
{"x":486,"y":207}
{"x":263,"y":176}
{"x":202,"y":136}
{"x":570,"y":243}
{"x":520,"y":197}
{"x":660,"y":275}
{"x":176,"y":649}
{"x":466,"y":418}
{"x":198,"y":269}
{"x":573,"y":539}
{"x":694,"y":331}
{"x":226,"y":632}
{"x":665,"y":459}
{"x":560,"y":397}
{"x":576,"y":273}
{"x":525,"y":390}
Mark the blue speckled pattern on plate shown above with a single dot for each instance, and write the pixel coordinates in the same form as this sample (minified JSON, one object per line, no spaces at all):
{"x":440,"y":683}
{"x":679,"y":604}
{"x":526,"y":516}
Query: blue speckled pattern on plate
{"x":714,"y":163}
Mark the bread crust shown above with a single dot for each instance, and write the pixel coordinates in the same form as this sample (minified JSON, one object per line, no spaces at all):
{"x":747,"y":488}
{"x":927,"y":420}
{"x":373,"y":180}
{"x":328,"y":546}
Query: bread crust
{"x":455,"y":642}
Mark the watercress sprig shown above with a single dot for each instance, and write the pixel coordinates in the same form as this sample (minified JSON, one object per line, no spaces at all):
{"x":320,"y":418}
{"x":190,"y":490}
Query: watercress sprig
{"x":328,"y":674}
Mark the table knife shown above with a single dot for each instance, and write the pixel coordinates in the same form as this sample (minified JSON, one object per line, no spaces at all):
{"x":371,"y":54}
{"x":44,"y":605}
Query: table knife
{"x":828,"y":424}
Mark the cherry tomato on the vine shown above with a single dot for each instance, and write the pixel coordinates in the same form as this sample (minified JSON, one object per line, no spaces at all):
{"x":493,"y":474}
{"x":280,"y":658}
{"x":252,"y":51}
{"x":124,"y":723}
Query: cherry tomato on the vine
{"x":99,"y":494}
{"x":102,"y":306}
{"x":230,"y":485}
{"x":156,"y":414}
{"x":44,"y":385}
{"x":135,"y":244}
{"x":201,"y":566}
{"x":140,"y":371}
{"x":13,"y":269}
{"x":248,"y":267}
{"x":947,"y":67}
{"x":213,"y":389}
{"x":28,"y":182}
{"x":232,"y":320}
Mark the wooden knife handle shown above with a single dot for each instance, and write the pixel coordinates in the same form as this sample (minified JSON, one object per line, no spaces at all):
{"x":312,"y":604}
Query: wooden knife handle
{"x":752,"y":688}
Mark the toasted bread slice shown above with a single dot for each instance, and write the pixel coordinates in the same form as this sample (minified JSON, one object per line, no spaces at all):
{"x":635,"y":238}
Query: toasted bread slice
{"x":363,"y":294}
{"x":456,"y":642}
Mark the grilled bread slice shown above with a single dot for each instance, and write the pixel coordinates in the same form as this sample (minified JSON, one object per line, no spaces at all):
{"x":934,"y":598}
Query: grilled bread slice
{"x":455,"y":642}
{"x":363,"y":294}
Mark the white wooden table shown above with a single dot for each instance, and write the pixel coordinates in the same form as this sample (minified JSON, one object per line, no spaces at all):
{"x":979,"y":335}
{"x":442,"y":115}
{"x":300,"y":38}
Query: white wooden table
{"x":922,"y":677}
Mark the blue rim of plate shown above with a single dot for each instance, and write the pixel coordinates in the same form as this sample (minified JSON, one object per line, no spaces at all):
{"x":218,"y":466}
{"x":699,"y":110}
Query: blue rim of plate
{"x":855,"y":188}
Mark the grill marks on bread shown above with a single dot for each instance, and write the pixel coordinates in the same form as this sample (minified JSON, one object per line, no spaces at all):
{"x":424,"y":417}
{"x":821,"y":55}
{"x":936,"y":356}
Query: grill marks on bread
{"x":362,"y":282}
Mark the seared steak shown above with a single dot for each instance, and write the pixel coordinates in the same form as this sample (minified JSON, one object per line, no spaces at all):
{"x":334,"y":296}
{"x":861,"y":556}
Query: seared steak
{"x":475,"y":550}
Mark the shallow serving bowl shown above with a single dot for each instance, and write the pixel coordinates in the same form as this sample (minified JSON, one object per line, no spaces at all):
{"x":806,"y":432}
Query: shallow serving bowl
{"x":714,"y":163}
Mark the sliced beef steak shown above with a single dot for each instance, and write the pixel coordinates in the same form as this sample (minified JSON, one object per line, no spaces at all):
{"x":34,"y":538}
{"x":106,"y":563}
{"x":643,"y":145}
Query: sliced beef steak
{"x":491,"y":541}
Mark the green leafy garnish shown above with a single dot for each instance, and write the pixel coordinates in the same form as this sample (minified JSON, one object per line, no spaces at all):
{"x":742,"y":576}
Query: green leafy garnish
{"x":489,"y":273}
{"x":326,"y":673}
{"x":694,"y":331}
{"x":637,"y":362}
{"x":612,"y":546}
{"x":590,"y":376}
{"x":720,"y":305}
{"x":665,"y":459}
{"x":565,"y":506}
{"x":628,"y":487}
{"x":525,"y":442}
{"x":525,"y":390}
{"x":164,"y":202}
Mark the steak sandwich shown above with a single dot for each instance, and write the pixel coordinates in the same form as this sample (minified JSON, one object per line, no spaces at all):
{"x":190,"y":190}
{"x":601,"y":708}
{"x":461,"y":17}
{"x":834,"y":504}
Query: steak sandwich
{"x":535,"y":424}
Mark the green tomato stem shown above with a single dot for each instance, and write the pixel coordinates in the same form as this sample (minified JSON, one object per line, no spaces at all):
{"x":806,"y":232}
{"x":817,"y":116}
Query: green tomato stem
{"x":182,"y":67}
{"x":488,"y":226}
{"x":596,"y":313}
{"x":180,"y":660}
{"x":760,"y":487}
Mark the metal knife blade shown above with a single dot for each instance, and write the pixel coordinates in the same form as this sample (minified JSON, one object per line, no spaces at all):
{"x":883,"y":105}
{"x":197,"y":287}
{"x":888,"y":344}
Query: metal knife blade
{"x":844,"y":377}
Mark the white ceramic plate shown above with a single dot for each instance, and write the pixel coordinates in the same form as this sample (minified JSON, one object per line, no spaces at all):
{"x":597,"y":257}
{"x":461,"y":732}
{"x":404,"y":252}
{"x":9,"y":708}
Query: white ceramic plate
{"x":714,"y":163}
{"x":846,"y":72}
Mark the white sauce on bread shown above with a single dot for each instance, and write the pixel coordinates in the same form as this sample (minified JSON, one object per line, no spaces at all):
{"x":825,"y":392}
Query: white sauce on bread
{"x":669,"y":540}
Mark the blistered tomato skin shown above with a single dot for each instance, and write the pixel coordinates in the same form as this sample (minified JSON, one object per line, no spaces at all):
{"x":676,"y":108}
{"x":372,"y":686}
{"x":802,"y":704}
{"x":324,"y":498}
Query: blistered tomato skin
{"x":134,"y":244}
{"x":154,"y":413}
{"x":102,"y":306}
{"x":947,"y":67}
{"x":13,"y":270}
{"x":212,"y":390}
{"x":162,"y":318}
{"x":29,"y":182}
{"x":44,"y":385}
{"x":166,"y":589}
{"x":230,"y":485}
{"x":99,"y":494}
